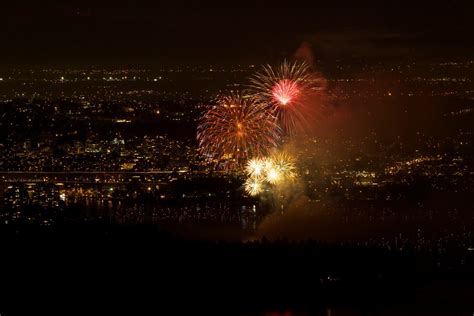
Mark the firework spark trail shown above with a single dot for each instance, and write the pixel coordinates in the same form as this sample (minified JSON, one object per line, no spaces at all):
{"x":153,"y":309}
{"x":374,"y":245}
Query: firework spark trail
{"x":237,"y":128}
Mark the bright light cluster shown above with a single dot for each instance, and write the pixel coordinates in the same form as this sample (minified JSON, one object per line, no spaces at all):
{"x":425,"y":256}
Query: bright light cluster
{"x":275,"y":170}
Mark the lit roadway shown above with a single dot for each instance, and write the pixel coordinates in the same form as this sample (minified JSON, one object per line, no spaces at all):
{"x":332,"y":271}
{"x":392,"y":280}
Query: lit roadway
{"x":91,"y":177}
{"x":85,"y":177}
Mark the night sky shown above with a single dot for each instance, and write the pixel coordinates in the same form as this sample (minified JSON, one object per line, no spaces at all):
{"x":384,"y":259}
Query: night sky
{"x":194,"y":32}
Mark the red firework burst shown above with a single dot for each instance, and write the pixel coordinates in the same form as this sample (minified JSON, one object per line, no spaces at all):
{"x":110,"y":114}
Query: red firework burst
{"x":285,"y":91}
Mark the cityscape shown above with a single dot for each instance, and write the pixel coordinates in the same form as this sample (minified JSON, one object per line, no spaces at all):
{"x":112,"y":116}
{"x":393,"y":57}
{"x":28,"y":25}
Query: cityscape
{"x":361,"y":203}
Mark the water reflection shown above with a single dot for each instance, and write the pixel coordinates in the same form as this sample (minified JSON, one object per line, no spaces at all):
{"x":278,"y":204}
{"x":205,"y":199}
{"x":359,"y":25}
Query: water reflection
{"x":243,"y":217}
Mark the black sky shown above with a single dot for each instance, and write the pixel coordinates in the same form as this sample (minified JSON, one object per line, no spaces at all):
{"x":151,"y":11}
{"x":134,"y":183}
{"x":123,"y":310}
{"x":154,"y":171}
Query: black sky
{"x":193,"y":32}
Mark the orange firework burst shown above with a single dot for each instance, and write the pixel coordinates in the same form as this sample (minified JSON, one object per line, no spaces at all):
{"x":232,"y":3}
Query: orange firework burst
{"x":237,"y":128}
{"x":285,"y":90}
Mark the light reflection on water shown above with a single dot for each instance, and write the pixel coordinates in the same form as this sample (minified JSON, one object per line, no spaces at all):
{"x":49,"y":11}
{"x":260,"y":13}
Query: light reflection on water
{"x":220,"y":221}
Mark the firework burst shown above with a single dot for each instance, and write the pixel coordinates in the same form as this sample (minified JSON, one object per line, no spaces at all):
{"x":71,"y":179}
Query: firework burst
{"x":237,"y":128}
{"x":255,"y":167}
{"x":273,"y":171}
{"x":285,"y":90}
{"x":254,"y":186}
{"x":280,"y":168}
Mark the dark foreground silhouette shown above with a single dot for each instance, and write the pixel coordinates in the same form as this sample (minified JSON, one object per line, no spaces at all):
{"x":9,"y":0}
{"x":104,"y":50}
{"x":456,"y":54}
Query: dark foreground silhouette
{"x":138,"y":266}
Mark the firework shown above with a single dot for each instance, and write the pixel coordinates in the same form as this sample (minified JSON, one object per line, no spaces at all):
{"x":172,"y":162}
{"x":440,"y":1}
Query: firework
{"x":255,"y":167}
{"x":254,"y":186}
{"x":273,"y":175}
{"x":237,"y":128}
{"x":285,"y":90}
{"x":280,"y":168}
{"x":272,"y":171}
